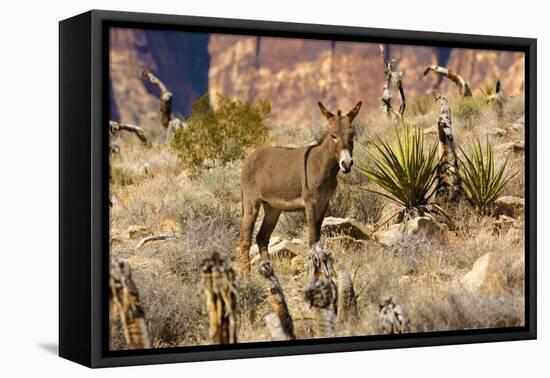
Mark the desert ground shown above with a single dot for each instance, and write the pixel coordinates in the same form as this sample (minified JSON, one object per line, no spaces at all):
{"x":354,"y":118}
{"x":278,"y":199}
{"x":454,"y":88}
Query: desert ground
{"x":461,"y":270}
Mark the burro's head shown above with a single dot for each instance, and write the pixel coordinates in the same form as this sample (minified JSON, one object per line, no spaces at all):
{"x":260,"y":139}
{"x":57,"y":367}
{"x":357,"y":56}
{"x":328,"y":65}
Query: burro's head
{"x":341,"y":133}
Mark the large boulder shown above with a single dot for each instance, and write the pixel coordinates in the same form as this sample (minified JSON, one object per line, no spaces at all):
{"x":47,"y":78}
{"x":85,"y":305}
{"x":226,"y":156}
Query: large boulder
{"x":280,"y":249}
{"x":510,"y":206}
{"x":391,"y":236}
{"x":422,"y":227}
{"x":333,"y":226}
{"x":485,"y":276}
{"x":425,"y":227}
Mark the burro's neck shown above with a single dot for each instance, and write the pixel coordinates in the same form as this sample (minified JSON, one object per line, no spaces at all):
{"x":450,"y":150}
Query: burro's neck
{"x":321,"y":162}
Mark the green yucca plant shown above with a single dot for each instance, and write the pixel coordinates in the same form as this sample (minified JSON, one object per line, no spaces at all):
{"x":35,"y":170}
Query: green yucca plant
{"x":482,"y":183}
{"x":404,"y":167}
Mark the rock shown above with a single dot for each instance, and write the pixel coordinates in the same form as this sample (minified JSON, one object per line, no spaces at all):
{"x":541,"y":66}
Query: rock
{"x":497,"y":131}
{"x":510,"y":206}
{"x":485,"y":276}
{"x":333,"y":226}
{"x":515,"y":147}
{"x":389,"y":237}
{"x":138,"y":232}
{"x":503,"y":222}
{"x":425,"y":227}
{"x":280,"y":249}
{"x":345,"y":242}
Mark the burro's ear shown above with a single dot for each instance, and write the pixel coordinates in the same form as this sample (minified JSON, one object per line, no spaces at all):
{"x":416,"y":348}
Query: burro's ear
{"x":353,"y":112}
{"x":328,"y":115}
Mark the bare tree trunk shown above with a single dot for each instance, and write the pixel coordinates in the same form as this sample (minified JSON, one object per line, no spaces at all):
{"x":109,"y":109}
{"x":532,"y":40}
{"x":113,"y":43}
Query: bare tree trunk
{"x":125,"y":295}
{"x":453,"y":76}
{"x":347,"y":303}
{"x":448,"y":182}
{"x":165,"y":97}
{"x":393,"y":318}
{"x":320,"y":266}
{"x":497,"y":98}
{"x":392,"y":79}
{"x":221,"y":299}
{"x":319,"y":296}
{"x":116,"y":127}
{"x":279,"y":322}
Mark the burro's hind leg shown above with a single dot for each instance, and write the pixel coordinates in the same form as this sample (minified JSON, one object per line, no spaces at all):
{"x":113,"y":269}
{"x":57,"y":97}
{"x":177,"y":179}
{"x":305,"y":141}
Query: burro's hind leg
{"x":271,"y":216}
{"x":251,"y":206}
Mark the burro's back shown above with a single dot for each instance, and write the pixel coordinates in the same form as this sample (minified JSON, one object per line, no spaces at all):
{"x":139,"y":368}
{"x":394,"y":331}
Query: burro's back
{"x":292,"y":179}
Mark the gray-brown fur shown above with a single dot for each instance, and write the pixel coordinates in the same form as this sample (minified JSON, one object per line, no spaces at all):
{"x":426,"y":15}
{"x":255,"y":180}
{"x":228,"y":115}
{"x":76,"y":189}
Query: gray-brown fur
{"x":221,"y":299}
{"x":292,"y":179}
{"x":125,"y":301}
{"x":279,"y":322}
{"x":448,"y":181}
{"x":393,"y":318}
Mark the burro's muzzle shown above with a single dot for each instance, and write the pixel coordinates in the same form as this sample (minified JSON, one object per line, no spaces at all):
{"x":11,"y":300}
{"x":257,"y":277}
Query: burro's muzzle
{"x":346,"y":161}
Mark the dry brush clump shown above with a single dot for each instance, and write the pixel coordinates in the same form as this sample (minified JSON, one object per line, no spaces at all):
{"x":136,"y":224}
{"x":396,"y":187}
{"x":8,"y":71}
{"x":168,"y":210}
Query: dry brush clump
{"x":201,"y":211}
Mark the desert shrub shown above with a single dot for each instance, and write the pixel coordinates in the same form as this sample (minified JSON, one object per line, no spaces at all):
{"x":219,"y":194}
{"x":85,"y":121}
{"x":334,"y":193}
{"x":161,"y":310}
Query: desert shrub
{"x":292,"y":223}
{"x":482,"y":183}
{"x":514,"y":107}
{"x":458,"y":310}
{"x":468,"y":110}
{"x":222,"y":182}
{"x":350,"y":201}
{"x":121,"y":176}
{"x":421,"y":105}
{"x":404,"y":167}
{"x":204,"y":229}
{"x":222,"y":135}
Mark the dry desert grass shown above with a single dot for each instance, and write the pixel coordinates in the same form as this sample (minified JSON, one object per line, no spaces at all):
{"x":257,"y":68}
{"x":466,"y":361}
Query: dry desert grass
{"x":152,"y":194}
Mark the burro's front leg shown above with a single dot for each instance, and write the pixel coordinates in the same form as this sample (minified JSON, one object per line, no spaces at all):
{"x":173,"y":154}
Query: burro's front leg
{"x":314,"y":234}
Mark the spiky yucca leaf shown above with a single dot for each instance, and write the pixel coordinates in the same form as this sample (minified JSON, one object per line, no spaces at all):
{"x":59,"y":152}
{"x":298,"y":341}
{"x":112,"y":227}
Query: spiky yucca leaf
{"x":403,"y":167}
{"x":482,"y":183}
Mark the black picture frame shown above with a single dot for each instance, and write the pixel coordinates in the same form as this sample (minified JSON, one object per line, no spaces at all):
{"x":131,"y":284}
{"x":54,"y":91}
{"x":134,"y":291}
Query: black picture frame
{"x":84,"y":188}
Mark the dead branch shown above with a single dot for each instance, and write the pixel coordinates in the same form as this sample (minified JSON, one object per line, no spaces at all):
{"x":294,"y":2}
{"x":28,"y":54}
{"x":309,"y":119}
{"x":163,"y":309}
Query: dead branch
{"x":279,"y":322}
{"x":393,"y":78}
{"x":347,"y":302}
{"x":116,"y":127}
{"x":453,"y":76}
{"x":497,"y":98}
{"x":125,"y":301}
{"x":165,"y":97}
{"x":321,"y":266}
{"x":221,"y":299}
{"x":318,"y":294}
{"x":448,"y":183}
{"x":393,"y":318}
{"x":153,"y":238}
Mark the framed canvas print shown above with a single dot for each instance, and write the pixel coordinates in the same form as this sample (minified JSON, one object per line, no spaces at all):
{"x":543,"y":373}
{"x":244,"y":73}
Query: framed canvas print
{"x":233,"y":188}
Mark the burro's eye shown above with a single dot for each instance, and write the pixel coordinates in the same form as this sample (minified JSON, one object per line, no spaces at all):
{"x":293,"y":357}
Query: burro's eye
{"x":334,"y":137}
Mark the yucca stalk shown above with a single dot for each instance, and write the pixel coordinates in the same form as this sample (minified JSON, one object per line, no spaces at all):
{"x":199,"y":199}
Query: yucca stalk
{"x":482,"y":183}
{"x":404,"y":167}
